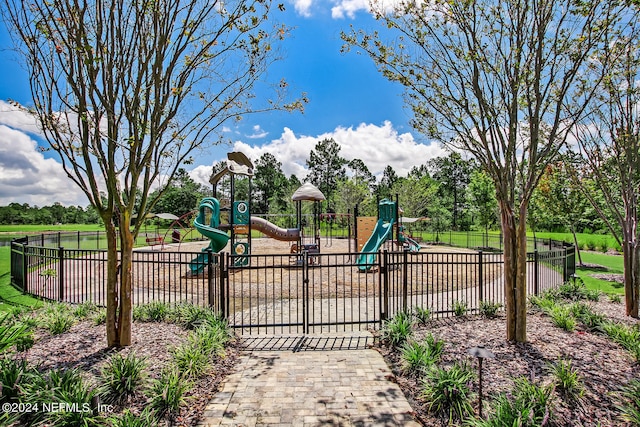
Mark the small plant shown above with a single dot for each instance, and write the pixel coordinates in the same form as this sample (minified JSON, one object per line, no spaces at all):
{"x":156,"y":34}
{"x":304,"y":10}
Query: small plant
{"x":422,"y":314}
{"x":190,"y":316}
{"x":13,"y":373}
{"x":629,"y":405}
{"x":615,"y":298}
{"x":561,"y":317}
{"x":121,"y":377}
{"x":529,"y":405}
{"x":398,"y":329}
{"x":459,"y":308}
{"x":11,"y":333}
{"x":85,"y":310}
{"x":543,"y":303}
{"x":627,"y":336}
{"x":417,"y":357}
{"x":489,"y":309}
{"x":592,"y":294}
{"x":168,"y":392}
{"x":447,"y":392}
{"x":146,"y":418}
{"x":99,"y":317}
{"x":191,"y":358}
{"x":573,"y":289}
{"x":60,"y":322}
{"x":155,"y":311}
{"x":567,"y":379}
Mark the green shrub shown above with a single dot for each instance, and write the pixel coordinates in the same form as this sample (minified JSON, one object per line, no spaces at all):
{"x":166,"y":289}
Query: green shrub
{"x":63,"y":386}
{"x":489,"y":309}
{"x":85,"y":309}
{"x":191,"y":316}
{"x":99,"y":317}
{"x":629,"y":402}
{"x":191,"y":358}
{"x":627,"y":336}
{"x":566,"y":379}
{"x":447,"y":392}
{"x":13,"y":373}
{"x":146,"y":418}
{"x":155,"y":311}
{"x":422,"y":314}
{"x":398,"y":329}
{"x":530,"y":405}
{"x":121,"y":377}
{"x":573,"y":289}
{"x":561,"y":317}
{"x":615,"y":298}
{"x":11,"y":333}
{"x":417,"y":357}
{"x":60,"y":322}
{"x":459,"y":308}
{"x":168,"y":392}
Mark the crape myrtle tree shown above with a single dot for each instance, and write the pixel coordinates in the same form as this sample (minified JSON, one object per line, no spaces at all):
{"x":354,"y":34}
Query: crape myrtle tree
{"x":126,"y":90}
{"x":492,"y":78}
{"x":609,"y":142}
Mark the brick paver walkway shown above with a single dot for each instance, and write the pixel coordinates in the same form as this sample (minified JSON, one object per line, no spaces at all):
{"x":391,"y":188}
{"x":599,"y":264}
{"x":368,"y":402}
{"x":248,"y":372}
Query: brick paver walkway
{"x":310,"y":381}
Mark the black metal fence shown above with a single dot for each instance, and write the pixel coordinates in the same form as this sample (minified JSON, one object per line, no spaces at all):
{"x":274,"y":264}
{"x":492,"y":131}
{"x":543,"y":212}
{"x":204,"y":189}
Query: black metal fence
{"x":290,"y":293}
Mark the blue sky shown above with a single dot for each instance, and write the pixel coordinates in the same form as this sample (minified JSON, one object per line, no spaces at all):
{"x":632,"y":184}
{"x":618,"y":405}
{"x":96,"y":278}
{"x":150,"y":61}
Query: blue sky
{"x":349,"y":101}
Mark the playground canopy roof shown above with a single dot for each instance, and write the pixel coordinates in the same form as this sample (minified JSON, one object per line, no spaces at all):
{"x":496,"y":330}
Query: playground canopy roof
{"x":160,"y":215}
{"x":410,"y":220}
{"x":308,"y":191}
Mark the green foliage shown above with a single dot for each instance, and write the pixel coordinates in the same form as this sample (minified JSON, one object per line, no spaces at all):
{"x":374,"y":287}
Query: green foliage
{"x":545,"y":303}
{"x":64,"y":386}
{"x":566,"y":379}
{"x":459,"y":307}
{"x":489,"y":309}
{"x":417,"y":357}
{"x":121,"y":377}
{"x":561,"y":317}
{"x":85,"y":310}
{"x":398,"y":329}
{"x":12,"y":334}
{"x":57,"y":318}
{"x":529,"y":405}
{"x":615,"y":298}
{"x":447,"y":392}
{"x":422,"y":314}
{"x":629,"y":402}
{"x":13,"y":373}
{"x":627,"y":336}
{"x":190,"y":316}
{"x":146,"y":418}
{"x":168,"y":392}
{"x":155,"y":311}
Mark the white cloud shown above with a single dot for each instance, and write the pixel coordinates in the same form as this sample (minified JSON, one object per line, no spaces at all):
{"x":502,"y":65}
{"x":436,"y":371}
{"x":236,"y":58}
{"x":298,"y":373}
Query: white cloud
{"x":17,"y":118}
{"x":303,"y":7}
{"x":376,"y":146}
{"x":26,"y":176}
{"x":257,"y":133}
{"x":351,"y":7}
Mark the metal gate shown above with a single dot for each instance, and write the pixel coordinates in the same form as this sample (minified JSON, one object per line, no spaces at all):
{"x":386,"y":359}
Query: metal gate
{"x":301,"y":293}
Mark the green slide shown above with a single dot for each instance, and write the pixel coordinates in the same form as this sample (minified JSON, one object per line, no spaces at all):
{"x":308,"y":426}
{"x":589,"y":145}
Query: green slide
{"x":217,"y":238}
{"x":368,"y":254}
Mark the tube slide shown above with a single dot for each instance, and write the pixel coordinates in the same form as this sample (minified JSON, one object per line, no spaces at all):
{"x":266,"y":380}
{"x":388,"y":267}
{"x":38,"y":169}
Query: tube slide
{"x":217,"y":238}
{"x":273,"y":231}
{"x":368,"y":254}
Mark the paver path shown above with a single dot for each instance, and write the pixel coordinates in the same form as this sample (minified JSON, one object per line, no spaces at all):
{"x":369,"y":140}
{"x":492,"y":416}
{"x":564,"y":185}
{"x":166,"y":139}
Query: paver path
{"x":310,"y":381}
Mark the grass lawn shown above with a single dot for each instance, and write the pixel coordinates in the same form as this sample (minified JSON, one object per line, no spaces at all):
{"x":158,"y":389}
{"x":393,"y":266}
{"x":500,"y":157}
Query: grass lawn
{"x":610,"y":263}
{"x":39,"y":228}
{"x":9,"y":295}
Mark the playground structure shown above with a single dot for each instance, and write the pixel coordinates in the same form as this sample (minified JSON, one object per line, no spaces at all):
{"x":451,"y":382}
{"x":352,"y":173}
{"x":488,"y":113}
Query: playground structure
{"x":241,"y":222}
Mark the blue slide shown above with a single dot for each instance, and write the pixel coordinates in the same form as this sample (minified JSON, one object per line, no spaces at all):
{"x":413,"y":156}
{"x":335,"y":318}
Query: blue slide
{"x":368,"y":254}
{"x":217,"y":238}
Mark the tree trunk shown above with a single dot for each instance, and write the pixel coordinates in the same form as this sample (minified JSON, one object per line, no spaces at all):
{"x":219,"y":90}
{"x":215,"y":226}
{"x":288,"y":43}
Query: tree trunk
{"x":112,"y":281}
{"x":515,"y":257}
{"x":631,"y":256}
